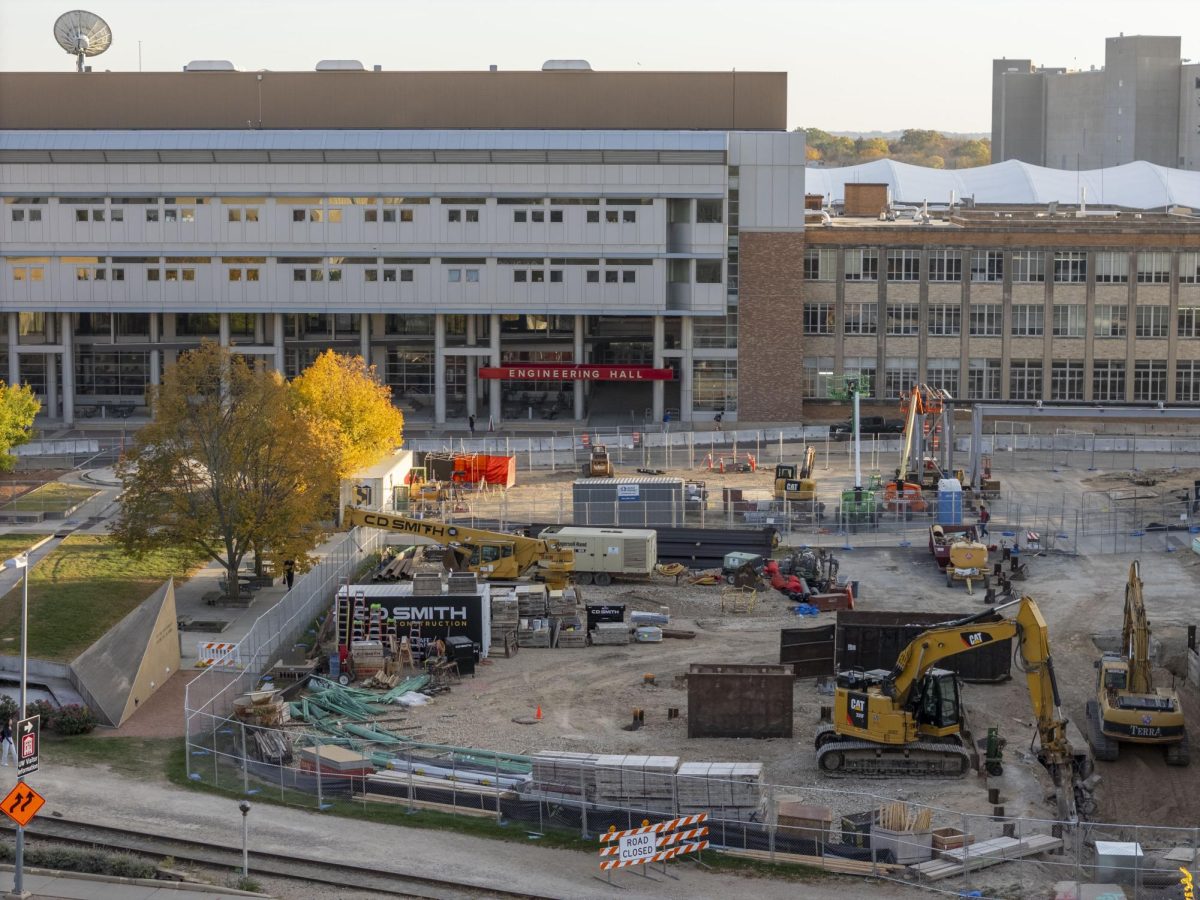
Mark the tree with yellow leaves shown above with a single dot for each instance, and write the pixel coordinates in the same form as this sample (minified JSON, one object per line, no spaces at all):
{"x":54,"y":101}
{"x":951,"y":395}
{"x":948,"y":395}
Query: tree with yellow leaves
{"x":344,"y":398}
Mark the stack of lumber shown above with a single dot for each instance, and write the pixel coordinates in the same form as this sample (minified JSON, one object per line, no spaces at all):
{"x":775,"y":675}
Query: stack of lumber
{"x":565,"y":773}
{"x":572,"y":633}
{"x":531,"y":600}
{"x":561,"y":603}
{"x":984,"y":854}
{"x":729,"y":791}
{"x":828,"y":863}
{"x":640,"y":782}
{"x":610,"y":633}
{"x":506,"y":617}
{"x":902,"y":817}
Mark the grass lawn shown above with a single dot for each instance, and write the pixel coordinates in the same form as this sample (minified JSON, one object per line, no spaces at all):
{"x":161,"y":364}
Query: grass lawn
{"x":52,"y":497}
{"x":12,"y":544}
{"x":80,"y":591}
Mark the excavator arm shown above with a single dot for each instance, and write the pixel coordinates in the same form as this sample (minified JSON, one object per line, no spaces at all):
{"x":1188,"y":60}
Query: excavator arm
{"x":810,"y":462}
{"x":1135,"y":634}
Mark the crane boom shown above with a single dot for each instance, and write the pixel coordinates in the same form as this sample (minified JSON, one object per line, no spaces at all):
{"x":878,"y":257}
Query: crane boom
{"x":1135,"y":634}
{"x":910,"y":428}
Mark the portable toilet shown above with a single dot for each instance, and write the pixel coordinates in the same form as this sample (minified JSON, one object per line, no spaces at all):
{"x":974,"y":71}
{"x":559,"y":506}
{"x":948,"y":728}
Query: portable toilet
{"x":950,"y":501}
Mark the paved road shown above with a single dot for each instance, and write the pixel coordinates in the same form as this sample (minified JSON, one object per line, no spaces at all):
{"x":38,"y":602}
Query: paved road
{"x":98,"y":795}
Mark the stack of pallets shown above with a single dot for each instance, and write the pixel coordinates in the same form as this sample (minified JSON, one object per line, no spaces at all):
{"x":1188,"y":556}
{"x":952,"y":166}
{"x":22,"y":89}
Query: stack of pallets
{"x":984,"y":854}
{"x":637,"y":782}
{"x":537,"y":633}
{"x":565,"y":774}
{"x":729,"y":791}
{"x":562,"y":603}
{"x":505,"y":617}
{"x":531,"y":600}
{"x":610,"y":633}
{"x":572,"y":633}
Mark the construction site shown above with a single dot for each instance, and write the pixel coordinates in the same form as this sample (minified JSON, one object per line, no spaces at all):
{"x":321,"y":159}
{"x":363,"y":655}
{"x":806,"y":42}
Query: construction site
{"x":922,"y":656}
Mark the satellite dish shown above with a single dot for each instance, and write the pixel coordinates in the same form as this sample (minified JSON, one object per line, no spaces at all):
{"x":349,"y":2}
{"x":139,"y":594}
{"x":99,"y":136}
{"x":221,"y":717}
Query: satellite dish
{"x":82,"y":33}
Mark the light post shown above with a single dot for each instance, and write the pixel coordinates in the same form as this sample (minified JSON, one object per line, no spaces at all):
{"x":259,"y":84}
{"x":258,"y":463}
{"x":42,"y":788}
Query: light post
{"x":244,"y":806}
{"x":21,"y":562}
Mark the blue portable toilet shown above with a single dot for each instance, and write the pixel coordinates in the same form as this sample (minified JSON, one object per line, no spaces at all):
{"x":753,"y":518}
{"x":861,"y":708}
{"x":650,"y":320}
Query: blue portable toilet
{"x":950,"y":501}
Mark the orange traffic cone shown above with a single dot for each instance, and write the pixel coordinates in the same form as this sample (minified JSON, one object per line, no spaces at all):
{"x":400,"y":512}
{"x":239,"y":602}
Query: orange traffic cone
{"x":538,"y":714}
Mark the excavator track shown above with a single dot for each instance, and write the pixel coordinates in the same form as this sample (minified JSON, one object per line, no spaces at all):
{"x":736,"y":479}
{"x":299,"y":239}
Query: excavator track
{"x":843,"y":757}
{"x":1104,"y":748}
{"x":1178,"y":753}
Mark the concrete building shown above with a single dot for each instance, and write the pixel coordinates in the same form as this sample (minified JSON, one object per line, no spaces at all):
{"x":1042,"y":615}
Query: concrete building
{"x":509,"y":245}
{"x":1142,"y":104}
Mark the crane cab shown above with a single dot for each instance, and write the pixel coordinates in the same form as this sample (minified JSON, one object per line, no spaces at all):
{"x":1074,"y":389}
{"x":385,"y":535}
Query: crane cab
{"x":863,"y":707}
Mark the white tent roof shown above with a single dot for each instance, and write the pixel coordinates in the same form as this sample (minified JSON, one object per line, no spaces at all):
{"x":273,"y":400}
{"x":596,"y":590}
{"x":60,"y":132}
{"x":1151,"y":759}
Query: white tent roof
{"x":1136,"y":185}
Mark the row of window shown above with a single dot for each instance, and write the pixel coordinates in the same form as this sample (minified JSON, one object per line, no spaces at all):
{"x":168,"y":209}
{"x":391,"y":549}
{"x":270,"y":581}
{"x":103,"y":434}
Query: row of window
{"x":1027,"y":378}
{"x":1027,"y":266}
{"x":987,"y":320}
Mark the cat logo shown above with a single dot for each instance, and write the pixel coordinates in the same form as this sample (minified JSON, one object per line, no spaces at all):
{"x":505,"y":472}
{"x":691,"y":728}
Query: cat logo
{"x":856,"y":710}
{"x":975,"y":638}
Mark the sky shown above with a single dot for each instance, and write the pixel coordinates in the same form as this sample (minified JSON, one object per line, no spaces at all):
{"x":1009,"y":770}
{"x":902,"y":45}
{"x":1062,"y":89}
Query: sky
{"x":852,"y":64}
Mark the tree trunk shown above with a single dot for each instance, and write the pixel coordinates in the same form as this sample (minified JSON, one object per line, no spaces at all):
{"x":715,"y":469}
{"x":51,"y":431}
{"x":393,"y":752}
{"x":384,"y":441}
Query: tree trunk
{"x":233,"y":588}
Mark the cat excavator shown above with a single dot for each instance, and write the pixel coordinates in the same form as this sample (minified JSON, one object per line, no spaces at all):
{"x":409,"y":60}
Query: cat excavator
{"x":909,"y":721}
{"x":1128,"y":708}
{"x":797,"y":486}
{"x":492,"y":554}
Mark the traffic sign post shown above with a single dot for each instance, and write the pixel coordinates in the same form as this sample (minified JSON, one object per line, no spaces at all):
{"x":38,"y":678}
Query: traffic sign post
{"x":28,"y":738}
{"x":22,"y":804}
{"x":652,"y":843}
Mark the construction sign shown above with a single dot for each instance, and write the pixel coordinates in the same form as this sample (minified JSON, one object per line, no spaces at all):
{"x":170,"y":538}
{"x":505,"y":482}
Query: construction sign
{"x":22,"y":803}
{"x":653,"y":843}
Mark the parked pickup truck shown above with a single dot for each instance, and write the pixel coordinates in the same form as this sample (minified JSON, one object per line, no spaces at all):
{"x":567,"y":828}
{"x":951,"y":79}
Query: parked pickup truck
{"x":867,"y":425}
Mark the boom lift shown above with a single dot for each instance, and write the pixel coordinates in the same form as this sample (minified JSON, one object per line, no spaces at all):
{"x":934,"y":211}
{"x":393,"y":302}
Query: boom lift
{"x":492,"y":554}
{"x":1128,"y":707}
{"x":909,"y":721}
{"x":903,"y":492}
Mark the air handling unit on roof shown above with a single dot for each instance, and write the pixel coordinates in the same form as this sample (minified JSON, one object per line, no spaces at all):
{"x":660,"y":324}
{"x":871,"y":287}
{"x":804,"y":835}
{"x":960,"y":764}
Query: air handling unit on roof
{"x":340,"y":65}
{"x":210,"y":65}
{"x":566,"y":65}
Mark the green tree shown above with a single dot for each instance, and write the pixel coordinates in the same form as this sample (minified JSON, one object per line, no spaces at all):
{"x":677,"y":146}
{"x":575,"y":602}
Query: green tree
{"x":18,"y":407}
{"x":228,"y":465}
{"x":344,"y":398}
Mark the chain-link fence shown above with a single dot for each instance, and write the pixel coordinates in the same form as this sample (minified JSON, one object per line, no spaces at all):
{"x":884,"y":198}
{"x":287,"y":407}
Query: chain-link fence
{"x":212,"y":692}
{"x":852,"y":832}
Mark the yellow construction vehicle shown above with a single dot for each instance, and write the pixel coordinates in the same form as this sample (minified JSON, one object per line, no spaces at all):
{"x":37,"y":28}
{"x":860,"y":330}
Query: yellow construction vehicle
{"x":797,"y":486}
{"x":1128,"y":707}
{"x":909,"y":721}
{"x":599,"y":465}
{"x":492,"y":554}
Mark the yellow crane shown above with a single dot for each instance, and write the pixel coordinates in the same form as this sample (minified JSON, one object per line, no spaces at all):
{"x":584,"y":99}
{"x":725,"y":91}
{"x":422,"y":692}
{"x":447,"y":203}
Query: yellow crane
{"x":492,"y":554}
{"x":1128,"y":708}
{"x":909,"y":721}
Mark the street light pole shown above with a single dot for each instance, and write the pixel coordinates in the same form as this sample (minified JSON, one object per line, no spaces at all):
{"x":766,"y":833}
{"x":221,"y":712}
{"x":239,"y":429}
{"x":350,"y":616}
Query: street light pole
{"x":21,"y":562}
{"x":244,"y":806}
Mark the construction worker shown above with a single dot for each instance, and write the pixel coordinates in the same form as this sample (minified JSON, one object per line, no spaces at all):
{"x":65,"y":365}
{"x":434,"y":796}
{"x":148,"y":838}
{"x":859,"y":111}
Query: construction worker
{"x":984,"y":518}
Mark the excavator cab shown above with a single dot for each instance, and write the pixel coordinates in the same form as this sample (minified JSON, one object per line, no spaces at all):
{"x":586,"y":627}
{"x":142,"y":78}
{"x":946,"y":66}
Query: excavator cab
{"x":938,"y":703}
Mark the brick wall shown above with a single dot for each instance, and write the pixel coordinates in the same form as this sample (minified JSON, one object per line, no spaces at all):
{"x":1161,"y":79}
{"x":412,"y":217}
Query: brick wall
{"x":770,"y":320}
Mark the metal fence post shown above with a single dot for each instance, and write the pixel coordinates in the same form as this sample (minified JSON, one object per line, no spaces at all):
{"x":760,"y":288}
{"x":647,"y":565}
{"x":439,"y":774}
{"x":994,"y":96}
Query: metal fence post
{"x":411,"y":797}
{"x":966,"y":853}
{"x":499,"y":816}
{"x":772,"y":821}
{"x":317,"y":761}
{"x":245,"y":764}
{"x":583,"y":822}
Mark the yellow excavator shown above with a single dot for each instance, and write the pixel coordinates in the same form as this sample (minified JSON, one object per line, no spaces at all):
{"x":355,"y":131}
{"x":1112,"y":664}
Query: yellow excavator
{"x":492,"y":554}
{"x":1128,"y":707}
{"x":797,"y":486}
{"x":909,"y":721}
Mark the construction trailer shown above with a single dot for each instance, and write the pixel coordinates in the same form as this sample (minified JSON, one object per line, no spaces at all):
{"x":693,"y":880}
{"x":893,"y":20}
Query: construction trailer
{"x":602,"y":554}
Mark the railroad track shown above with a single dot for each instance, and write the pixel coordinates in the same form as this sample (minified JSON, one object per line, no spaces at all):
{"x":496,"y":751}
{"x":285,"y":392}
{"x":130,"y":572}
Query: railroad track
{"x":299,"y":868}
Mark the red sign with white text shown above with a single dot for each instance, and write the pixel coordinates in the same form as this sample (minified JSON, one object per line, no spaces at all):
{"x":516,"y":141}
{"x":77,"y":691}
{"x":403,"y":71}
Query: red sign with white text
{"x":569,"y":372}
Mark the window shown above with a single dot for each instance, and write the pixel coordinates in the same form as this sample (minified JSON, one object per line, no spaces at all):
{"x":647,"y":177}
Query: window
{"x":472,"y":215}
{"x":1149,"y":380}
{"x":611,"y":216}
{"x":861,"y":318}
{"x":817,"y":370}
{"x":593,"y":216}
{"x":903,"y":318}
{"x":520,"y":276}
{"x":983,"y":379}
{"x":708,"y":212}
{"x":904,"y":265}
{"x":1066,"y":380}
{"x":1108,"y":380}
{"x":104,"y":372}
{"x":1028,"y":320}
{"x":945,"y":265}
{"x":454,"y":215}
{"x":714,"y":385}
{"x":818,"y":318}
{"x":1070,"y":266}
{"x":1112,"y":267}
{"x":520,"y":215}
{"x":152,"y":215}
{"x":986,"y":319}
{"x":454,"y":276}
{"x":1189,"y":268}
{"x":1154,"y":268}
{"x":1025,"y":379}
{"x":473,"y":276}
{"x":628,"y":276}
{"x":610,"y":277}
{"x":708,"y":271}
{"x":820,"y":265}
{"x":943,"y":373}
{"x":1152,"y":321}
{"x":81,"y":215}
{"x":116,"y":215}
{"x":945,"y":319}
{"x":153,"y":275}
{"x":628,"y":216}
{"x":900,"y":376}
{"x":18,"y":215}
{"x":1187,"y":381}
{"x":240,"y":214}
{"x":556,"y":276}
{"x":372,"y":275}
{"x":372,"y":215}
{"x":1110,"y":321}
{"x":316,"y":274}
{"x":593,"y":276}
{"x":862,"y":265}
{"x":1188,"y":321}
{"x":233,"y":214}
{"x":335,"y":274}
{"x":299,"y":275}
{"x":1070,"y":320}
{"x":1028,"y":266}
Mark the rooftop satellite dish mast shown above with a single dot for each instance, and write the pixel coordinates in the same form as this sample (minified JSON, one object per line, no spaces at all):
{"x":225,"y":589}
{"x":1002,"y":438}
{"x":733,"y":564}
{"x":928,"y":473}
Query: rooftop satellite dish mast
{"x":82,"y":33}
